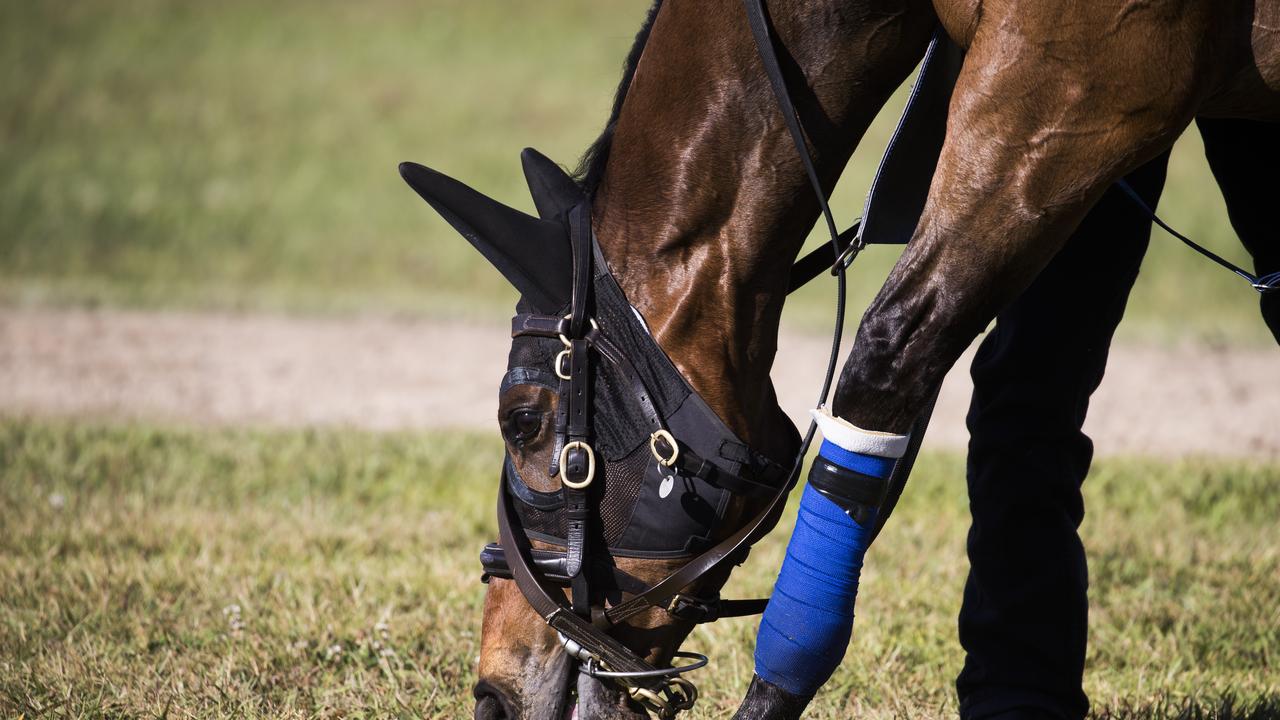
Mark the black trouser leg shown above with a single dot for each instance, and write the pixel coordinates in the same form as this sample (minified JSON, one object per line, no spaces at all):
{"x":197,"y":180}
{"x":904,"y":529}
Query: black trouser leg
{"x":1245,"y":157}
{"x":1023,"y":623}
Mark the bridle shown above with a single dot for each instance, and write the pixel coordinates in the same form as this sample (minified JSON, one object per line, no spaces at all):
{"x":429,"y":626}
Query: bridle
{"x":686,"y":443}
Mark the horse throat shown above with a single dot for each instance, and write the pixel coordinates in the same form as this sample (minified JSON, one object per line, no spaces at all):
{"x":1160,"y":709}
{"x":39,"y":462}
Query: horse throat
{"x":704,"y":203}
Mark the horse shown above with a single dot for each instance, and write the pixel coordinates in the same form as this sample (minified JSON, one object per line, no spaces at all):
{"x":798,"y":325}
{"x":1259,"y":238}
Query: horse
{"x":693,"y":203}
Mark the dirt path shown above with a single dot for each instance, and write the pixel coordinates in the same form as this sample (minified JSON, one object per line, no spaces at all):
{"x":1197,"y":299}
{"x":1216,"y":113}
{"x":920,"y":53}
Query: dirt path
{"x":383,"y":374}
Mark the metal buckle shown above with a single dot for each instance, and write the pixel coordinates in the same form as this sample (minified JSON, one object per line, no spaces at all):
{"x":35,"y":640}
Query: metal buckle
{"x":671,"y":442}
{"x":850,"y":253}
{"x":568,"y":346}
{"x":684,"y":607}
{"x":559,"y":363}
{"x":678,"y":694}
{"x":591,"y":465}
{"x":565,"y":339}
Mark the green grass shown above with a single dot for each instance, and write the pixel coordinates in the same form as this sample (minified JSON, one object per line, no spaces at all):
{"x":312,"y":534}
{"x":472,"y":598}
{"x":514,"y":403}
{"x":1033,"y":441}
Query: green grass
{"x":233,"y":573}
{"x":241,"y":155}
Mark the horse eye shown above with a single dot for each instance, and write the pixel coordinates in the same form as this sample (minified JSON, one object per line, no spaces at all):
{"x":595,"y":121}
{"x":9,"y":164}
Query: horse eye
{"x":526,"y":422}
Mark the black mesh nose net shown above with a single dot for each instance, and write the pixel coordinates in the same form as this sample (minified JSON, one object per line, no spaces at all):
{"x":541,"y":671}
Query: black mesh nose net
{"x":645,"y":509}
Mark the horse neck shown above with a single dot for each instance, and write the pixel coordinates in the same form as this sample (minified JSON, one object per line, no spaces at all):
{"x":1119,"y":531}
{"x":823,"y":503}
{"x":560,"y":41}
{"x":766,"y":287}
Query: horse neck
{"x":704,"y":203}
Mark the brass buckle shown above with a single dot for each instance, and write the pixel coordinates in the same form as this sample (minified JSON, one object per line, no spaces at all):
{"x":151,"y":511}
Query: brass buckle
{"x":678,"y":694}
{"x":670,"y":440}
{"x":566,"y":341}
{"x":568,"y":346}
{"x":591,"y":465}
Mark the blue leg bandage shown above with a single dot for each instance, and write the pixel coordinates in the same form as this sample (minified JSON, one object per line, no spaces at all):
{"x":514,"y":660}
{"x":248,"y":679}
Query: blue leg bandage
{"x":809,"y":620}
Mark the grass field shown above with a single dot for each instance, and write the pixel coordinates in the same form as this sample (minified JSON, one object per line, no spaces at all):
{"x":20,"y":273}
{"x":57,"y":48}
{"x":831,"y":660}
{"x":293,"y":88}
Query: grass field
{"x":241,"y":155}
{"x":176,"y":573}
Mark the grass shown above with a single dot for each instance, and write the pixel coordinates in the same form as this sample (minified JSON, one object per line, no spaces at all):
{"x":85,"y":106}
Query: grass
{"x":241,"y":155}
{"x":219,"y":573}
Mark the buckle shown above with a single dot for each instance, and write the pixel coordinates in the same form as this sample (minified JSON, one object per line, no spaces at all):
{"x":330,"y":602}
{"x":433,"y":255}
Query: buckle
{"x":670,"y":441}
{"x":850,"y":253}
{"x":683,"y":607}
{"x":564,"y":465}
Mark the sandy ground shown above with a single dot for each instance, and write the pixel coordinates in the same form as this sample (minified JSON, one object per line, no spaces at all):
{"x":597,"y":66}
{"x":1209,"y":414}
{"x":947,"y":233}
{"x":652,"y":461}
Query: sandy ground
{"x":380,"y":373}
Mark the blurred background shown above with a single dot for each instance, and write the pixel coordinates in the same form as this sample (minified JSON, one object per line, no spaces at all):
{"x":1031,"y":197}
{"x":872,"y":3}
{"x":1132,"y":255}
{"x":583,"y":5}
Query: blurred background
{"x":237,"y":155}
{"x":247,"y":383}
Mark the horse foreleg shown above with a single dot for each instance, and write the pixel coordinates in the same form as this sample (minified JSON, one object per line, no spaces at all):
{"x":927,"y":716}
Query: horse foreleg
{"x":1037,"y":133}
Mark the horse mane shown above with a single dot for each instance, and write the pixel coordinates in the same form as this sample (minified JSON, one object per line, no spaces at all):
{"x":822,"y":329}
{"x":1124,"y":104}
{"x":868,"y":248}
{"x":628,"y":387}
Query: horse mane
{"x":590,"y":170}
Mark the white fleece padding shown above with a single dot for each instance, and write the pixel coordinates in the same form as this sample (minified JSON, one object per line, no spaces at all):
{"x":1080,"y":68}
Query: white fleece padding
{"x":854,"y":439}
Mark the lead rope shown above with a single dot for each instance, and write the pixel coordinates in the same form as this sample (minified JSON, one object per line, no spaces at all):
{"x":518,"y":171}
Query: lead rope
{"x":1262,"y":283}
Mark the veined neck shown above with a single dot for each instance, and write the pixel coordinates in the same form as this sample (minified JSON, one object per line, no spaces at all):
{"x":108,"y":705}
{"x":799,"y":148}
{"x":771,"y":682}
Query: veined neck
{"x":704,"y":203}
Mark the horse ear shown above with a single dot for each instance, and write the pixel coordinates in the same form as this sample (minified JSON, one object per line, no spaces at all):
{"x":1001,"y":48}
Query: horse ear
{"x":532,"y":254}
{"x":553,"y":191}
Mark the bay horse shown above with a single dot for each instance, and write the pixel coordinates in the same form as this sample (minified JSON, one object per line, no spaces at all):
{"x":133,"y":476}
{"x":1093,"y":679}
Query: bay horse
{"x":699,"y":203}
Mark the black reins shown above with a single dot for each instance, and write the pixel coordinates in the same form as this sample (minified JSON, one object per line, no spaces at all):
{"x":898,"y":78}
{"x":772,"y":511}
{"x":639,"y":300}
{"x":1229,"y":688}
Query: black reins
{"x":1262,"y":283}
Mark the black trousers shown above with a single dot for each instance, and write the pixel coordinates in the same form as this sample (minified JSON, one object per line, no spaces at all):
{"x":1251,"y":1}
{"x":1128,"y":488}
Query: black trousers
{"x":1024,"y":619}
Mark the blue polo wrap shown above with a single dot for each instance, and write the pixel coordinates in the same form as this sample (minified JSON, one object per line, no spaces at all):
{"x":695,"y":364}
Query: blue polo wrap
{"x":807,"y":625}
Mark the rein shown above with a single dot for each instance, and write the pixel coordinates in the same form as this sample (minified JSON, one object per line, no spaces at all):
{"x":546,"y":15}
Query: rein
{"x":1262,"y":283}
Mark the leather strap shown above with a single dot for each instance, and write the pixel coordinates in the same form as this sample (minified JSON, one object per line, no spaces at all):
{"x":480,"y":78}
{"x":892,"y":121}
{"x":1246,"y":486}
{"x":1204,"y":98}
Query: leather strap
{"x":547,"y":326}
{"x":575,"y":394}
{"x":818,"y":260}
{"x":613,"y":654}
{"x":553,"y":565}
{"x":735,"y":545}
{"x":1263,"y":284}
{"x":580,"y":243}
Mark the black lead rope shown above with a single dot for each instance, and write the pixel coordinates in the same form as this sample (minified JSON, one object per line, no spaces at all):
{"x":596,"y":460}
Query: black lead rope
{"x":1261,"y":283}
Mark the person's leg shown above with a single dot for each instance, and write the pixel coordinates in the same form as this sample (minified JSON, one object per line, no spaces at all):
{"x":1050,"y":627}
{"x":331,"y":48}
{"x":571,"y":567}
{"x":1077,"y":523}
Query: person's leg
{"x":1244,"y":156}
{"x":1023,"y":622}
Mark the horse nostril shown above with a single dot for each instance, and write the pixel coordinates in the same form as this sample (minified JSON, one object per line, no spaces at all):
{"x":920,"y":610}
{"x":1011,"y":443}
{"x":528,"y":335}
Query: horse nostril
{"x":492,"y":704}
{"x":489,"y":707}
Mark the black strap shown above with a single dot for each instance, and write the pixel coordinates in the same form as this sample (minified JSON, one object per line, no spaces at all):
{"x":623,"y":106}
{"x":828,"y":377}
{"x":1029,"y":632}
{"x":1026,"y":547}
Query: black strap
{"x":575,"y":393}
{"x":818,"y":260}
{"x":697,"y":610}
{"x":1261,"y":283}
{"x":580,"y":242}
{"x":613,"y":654}
{"x":553,"y":566}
